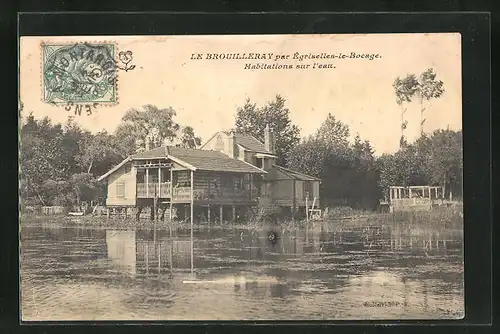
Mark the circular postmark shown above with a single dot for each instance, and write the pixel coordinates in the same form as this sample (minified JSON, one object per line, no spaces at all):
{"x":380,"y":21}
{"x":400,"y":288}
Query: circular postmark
{"x":79,"y":73}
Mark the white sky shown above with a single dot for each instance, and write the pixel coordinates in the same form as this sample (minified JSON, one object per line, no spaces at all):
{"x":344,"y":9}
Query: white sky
{"x":207,"y":93}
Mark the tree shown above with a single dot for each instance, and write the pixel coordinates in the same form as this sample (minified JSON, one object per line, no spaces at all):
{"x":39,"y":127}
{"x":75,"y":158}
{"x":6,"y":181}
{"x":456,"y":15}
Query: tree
{"x":404,"y":90}
{"x":84,"y":188}
{"x":425,"y":87}
{"x":71,"y":140}
{"x":99,"y":153}
{"x":333,"y":132}
{"x":446,"y":160}
{"x":42,"y":155}
{"x":428,"y":88}
{"x":188,"y":139}
{"x":309,"y":157}
{"x":434,"y":160}
{"x":150,"y":126}
{"x":253,"y":120}
{"x":348,"y":172}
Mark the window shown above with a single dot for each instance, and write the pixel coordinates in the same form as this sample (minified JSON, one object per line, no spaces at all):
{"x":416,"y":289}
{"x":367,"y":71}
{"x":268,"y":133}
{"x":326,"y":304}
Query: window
{"x":226,"y":181}
{"x":308,"y":189}
{"x":238,"y":182}
{"x":141,"y":176}
{"x":120,"y":189}
{"x":182,"y":178}
{"x":259,"y":162}
{"x":165,"y":177}
{"x":153,"y":175}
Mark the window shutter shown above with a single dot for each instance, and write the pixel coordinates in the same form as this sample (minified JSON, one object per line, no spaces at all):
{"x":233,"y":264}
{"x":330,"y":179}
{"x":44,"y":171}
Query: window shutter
{"x":120,"y":189}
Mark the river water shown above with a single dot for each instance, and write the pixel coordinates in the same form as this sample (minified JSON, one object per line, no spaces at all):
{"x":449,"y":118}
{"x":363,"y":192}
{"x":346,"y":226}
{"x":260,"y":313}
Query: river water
{"x":84,"y":273}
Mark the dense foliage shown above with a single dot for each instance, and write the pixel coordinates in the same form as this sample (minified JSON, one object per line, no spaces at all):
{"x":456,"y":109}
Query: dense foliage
{"x":253,"y":120}
{"x":351,"y":174}
{"x":61,"y":162}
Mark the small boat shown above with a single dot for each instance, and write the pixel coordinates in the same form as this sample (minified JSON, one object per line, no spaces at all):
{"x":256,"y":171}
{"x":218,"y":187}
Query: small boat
{"x":75,"y":213}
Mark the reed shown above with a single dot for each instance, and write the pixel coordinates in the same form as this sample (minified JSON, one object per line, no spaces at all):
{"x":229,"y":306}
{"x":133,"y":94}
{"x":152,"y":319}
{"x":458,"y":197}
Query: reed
{"x":437,"y":220}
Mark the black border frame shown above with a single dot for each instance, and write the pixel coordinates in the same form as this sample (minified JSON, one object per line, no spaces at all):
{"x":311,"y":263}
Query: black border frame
{"x":476,"y":106}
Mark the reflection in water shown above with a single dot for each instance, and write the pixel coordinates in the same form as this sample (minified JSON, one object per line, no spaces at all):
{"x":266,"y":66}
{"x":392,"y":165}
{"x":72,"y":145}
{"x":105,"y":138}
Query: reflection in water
{"x":121,"y":246}
{"x":366,"y":273}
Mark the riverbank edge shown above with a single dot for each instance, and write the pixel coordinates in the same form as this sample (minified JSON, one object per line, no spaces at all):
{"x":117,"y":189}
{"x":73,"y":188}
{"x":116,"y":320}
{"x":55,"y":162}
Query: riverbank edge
{"x":446,"y":219}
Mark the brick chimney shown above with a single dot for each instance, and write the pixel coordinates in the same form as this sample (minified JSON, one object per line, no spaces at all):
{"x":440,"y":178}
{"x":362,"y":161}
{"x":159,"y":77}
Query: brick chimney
{"x":232,"y":148}
{"x":268,"y":139}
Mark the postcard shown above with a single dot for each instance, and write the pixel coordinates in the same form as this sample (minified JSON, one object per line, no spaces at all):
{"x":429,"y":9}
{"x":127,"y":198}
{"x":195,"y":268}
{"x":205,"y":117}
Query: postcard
{"x":241,"y":177}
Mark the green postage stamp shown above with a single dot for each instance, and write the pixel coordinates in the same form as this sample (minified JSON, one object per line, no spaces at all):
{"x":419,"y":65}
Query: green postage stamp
{"x":79,"y":73}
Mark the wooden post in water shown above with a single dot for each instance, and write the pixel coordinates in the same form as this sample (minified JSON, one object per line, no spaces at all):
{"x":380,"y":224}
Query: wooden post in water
{"x":159,"y":258}
{"x":307,"y":208}
{"x":192,"y":216}
{"x":155,"y":208}
{"x":159,"y":181}
{"x":147,"y":182}
{"x":147,"y":257}
{"x":221,"y":212}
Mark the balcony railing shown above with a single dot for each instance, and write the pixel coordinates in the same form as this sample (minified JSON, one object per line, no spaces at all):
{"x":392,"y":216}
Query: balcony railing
{"x":162,"y":190}
{"x":151,"y":190}
{"x":410,"y":201}
{"x":184,"y":193}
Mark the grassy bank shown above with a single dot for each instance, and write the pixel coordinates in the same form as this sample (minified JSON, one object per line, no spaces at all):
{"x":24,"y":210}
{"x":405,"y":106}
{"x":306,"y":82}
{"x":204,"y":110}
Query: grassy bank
{"x":443,"y":219}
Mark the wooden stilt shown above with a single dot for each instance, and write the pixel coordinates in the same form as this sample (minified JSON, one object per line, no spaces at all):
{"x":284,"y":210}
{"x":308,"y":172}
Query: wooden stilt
{"x":221,"y":212}
{"x":155,"y":204}
{"x":147,"y":257}
{"x":138,"y":212}
{"x":107,"y":213}
{"x":159,"y":258}
{"x":147,"y":182}
{"x":159,"y":183}
{"x":209,"y":213}
{"x":171,"y":198}
{"x":192,"y":217}
{"x":234,"y":214}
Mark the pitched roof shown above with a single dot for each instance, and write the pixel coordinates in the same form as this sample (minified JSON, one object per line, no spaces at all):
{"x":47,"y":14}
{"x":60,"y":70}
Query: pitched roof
{"x":194,"y":159}
{"x":296,"y":175}
{"x":251,"y":143}
{"x":156,"y":153}
{"x":212,"y":160}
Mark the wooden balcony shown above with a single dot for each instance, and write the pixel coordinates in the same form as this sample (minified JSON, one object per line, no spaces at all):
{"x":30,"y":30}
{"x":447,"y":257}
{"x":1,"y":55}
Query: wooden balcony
{"x":183,"y":194}
{"x":152,"y":190}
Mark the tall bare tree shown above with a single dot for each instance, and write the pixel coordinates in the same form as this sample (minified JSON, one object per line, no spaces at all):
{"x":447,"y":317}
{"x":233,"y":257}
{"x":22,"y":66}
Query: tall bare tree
{"x":404,"y":89}
{"x":427,"y":88}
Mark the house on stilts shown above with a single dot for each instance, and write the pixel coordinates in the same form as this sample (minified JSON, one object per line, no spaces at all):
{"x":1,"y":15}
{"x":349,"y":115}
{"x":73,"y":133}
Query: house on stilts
{"x":230,"y":176}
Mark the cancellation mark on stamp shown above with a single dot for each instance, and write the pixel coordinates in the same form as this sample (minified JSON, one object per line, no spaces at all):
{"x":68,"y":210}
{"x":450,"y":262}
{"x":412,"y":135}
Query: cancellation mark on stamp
{"x":83,"y":73}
